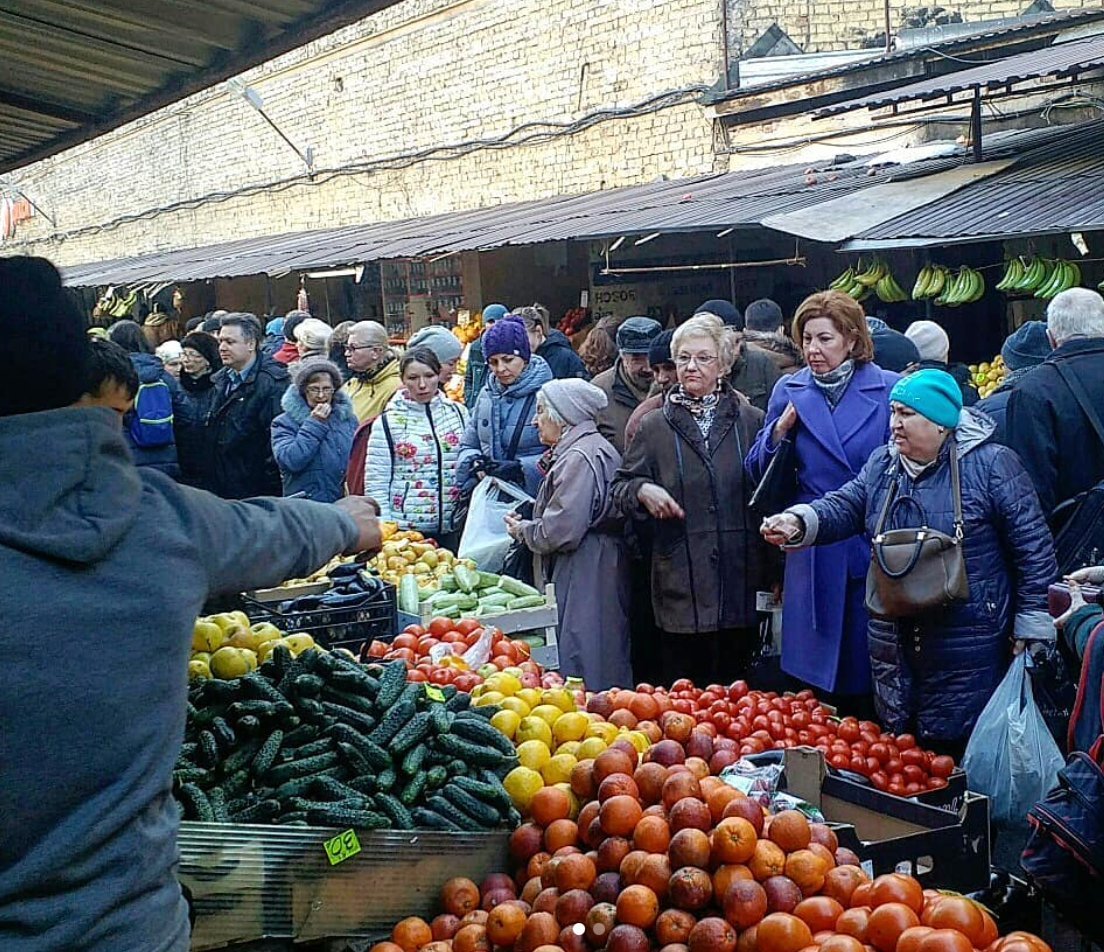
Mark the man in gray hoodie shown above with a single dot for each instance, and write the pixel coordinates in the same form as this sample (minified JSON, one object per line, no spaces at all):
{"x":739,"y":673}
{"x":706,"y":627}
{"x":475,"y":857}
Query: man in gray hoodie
{"x":103,"y":569}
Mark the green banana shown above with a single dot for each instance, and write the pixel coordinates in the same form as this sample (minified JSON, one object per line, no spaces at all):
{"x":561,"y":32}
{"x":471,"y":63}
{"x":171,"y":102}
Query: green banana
{"x":1054,"y":283}
{"x":922,"y":280}
{"x":1034,"y":277}
{"x":1013,"y":274}
{"x":843,"y":281}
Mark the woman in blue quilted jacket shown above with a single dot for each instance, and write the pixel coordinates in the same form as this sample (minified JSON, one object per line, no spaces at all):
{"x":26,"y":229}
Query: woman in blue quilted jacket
{"x":934,"y":672}
{"x":312,"y":438}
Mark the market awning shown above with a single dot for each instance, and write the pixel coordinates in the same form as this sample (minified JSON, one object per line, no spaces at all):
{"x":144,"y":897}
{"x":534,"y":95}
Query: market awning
{"x":74,"y":70}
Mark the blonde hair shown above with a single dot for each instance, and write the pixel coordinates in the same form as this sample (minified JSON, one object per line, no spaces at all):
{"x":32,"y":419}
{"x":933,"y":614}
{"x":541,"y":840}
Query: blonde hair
{"x":711,"y":326}
{"x":314,"y":335}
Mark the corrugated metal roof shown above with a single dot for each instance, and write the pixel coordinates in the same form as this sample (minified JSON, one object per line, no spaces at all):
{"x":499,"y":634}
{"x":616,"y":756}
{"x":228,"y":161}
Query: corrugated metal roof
{"x":1053,"y":188}
{"x":74,"y":70}
{"x":731,"y":200}
{"x":1062,"y":59}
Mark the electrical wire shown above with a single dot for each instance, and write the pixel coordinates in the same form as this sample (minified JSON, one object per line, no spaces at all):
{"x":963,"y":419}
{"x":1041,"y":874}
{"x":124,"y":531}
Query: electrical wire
{"x":528,"y":133}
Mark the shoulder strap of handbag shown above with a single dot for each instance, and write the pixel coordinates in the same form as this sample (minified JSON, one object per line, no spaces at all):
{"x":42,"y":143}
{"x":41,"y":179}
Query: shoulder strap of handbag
{"x":524,"y":421}
{"x":1082,"y":398}
{"x":956,"y":495}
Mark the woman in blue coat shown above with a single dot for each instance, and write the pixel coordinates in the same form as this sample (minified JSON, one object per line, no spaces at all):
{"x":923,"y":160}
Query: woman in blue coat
{"x":934,"y":671}
{"x":836,"y":411}
{"x":312,"y":438}
{"x":501,"y":437}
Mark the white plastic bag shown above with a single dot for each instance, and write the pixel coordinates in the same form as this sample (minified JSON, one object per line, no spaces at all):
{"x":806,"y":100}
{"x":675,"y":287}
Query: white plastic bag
{"x":485,"y":539}
{"x":1011,"y":757}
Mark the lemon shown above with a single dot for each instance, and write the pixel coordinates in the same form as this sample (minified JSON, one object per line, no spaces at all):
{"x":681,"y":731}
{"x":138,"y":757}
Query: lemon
{"x":515,"y":704}
{"x":607,"y":732}
{"x":533,"y":728}
{"x":639,"y":741}
{"x":569,"y":747}
{"x":533,"y":754}
{"x":548,"y":713}
{"x":558,"y":769}
{"x":571,"y":726}
{"x":559,"y":697}
{"x":572,"y":799}
{"x":590,"y":748}
{"x":507,"y":722}
{"x":479,"y":690}
{"x":530,"y":696}
{"x":508,"y":684}
{"x":488,"y":697}
{"x":522,"y":784}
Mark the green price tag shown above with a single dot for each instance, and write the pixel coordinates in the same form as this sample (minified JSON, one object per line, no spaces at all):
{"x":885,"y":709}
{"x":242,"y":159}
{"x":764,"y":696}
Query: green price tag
{"x":342,"y":847}
{"x":434,"y":693}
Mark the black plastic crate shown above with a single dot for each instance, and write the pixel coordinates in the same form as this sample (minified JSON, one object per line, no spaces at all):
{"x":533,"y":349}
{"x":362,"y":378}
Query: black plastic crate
{"x":333,"y":627}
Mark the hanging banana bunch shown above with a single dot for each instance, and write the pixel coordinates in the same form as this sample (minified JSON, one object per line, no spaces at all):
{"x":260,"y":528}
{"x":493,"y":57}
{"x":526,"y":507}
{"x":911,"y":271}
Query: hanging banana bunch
{"x":861,"y":281}
{"x":966,"y":287}
{"x":930,"y":282}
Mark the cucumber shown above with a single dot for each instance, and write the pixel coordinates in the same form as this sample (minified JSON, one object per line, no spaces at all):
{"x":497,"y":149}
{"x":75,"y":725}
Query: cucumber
{"x":488,"y":580}
{"x":190,"y":775}
{"x":429,"y":820}
{"x":411,"y":733}
{"x":308,"y":685}
{"x":266,"y":756}
{"x":208,"y":753}
{"x":242,"y":811}
{"x":386,"y":781}
{"x":195,"y":803}
{"x":445,"y":808}
{"x":472,"y":753}
{"x":393,"y":722}
{"x":346,"y":715}
{"x":436,"y":777}
{"x":224,"y":734}
{"x":329,"y":788}
{"x":514,"y":587}
{"x":440,"y":719}
{"x":216,"y":797}
{"x":483,"y":813}
{"x":256,"y":685}
{"x":369,"y":749}
{"x":525,"y":601}
{"x":414,"y":789}
{"x":339,"y":816}
{"x":466,"y":578}
{"x":398,"y":814}
{"x":392,"y":682}
{"x":408,"y":595}
{"x":301,"y":768}
{"x":476,"y":729}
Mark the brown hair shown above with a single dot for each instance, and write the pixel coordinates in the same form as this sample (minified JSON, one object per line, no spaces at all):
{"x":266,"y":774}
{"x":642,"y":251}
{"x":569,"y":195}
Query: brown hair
{"x":846,"y":315}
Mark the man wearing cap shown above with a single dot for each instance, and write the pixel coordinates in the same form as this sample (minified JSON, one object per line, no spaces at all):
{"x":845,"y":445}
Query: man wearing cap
{"x":475,"y":375}
{"x":444,"y":345}
{"x":664,"y":377}
{"x":105,"y":564}
{"x":764,"y":330}
{"x":892,"y":350}
{"x":753,"y":373}
{"x":374,"y":368}
{"x":1023,"y":351}
{"x":628,"y":382}
{"x":934,"y":347}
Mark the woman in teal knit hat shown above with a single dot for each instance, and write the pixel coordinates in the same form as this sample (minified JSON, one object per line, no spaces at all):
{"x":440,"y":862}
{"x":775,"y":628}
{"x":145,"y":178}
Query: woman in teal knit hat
{"x":934,"y":672}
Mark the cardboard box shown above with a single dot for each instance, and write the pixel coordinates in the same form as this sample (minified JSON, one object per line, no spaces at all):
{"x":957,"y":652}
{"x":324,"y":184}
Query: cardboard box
{"x":943,"y":848}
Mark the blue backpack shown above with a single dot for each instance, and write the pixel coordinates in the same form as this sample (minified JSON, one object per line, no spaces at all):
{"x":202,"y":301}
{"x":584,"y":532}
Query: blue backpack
{"x":151,"y":421}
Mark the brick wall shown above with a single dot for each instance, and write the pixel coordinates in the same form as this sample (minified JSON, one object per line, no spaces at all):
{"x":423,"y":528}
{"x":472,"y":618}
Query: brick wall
{"x":418,"y":76}
{"x":822,"y":25}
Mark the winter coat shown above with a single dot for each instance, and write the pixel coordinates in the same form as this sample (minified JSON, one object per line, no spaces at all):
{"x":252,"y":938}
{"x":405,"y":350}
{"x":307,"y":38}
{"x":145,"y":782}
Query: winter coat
{"x":150,"y":369}
{"x":622,"y":399}
{"x":754,"y":375}
{"x":707,"y":567}
{"x":475,"y":373}
{"x":288,"y":353}
{"x":823,"y":621}
{"x":499,"y":413}
{"x":654,"y":402}
{"x":193,"y":444}
{"x":312,"y":454}
{"x":961,"y":374}
{"x":1049,"y":430}
{"x":116,"y":563}
{"x":370,"y":393}
{"x":241,"y":464}
{"x":892,"y":350}
{"x":937,"y":671}
{"x":995,"y":406}
{"x":410,"y":468}
{"x":783,"y":351}
{"x":561,"y":357}
{"x":577,"y":549}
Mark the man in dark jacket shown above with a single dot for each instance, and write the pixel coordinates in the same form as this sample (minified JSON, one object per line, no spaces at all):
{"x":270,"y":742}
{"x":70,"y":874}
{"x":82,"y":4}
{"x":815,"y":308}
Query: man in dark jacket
{"x":754,"y":373}
{"x":892,"y":350}
{"x":551,"y":344}
{"x":1023,"y":351}
{"x":115,"y":563}
{"x":1047,"y":427}
{"x":628,"y":382}
{"x":765,"y":330}
{"x":248,"y":391}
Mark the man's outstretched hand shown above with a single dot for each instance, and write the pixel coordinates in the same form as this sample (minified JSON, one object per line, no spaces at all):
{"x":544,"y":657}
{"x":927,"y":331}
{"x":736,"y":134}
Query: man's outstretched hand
{"x":365,"y":512}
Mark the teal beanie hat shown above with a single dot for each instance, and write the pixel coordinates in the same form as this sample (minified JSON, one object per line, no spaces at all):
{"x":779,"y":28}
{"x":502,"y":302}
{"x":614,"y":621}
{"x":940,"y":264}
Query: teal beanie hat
{"x":933,"y":394}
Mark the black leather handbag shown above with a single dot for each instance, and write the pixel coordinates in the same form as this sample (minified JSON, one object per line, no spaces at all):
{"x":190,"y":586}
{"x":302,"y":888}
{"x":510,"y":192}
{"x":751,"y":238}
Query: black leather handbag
{"x":778,"y":487}
{"x":914,"y":571}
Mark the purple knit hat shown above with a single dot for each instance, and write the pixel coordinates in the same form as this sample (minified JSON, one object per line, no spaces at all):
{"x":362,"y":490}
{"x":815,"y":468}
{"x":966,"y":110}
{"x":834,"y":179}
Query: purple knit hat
{"x":507,"y":336}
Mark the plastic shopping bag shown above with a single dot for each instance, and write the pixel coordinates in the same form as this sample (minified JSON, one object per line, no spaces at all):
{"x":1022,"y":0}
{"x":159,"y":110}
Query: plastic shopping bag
{"x":1011,"y":757}
{"x":485,"y":539}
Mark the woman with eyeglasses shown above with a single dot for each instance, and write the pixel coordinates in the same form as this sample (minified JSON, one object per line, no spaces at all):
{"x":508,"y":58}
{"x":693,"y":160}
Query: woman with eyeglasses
{"x":684,"y":474}
{"x":414,"y":450}
{"x":312,"y":438}
{"x":834,"y":413}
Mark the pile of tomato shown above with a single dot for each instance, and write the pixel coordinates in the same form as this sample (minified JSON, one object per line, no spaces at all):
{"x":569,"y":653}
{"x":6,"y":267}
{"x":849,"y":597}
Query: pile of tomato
{"x":414,"y":646}
{"x":758,"y":721}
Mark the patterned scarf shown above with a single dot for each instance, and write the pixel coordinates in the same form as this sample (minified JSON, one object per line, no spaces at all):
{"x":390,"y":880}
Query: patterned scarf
{"x":702,"y":409}
{"x":834,"y":383}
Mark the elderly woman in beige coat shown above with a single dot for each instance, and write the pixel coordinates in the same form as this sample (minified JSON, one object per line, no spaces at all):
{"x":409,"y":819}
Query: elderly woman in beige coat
{"x":575,"y":543}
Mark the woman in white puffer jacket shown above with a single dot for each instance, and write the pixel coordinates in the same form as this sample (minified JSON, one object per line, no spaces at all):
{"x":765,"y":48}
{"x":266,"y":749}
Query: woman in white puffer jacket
{"x":412,"y":452}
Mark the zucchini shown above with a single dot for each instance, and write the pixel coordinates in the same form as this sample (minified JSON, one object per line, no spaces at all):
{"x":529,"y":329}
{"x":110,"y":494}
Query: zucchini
{"x":266,"y":756}
{"x":466,"y":603}
{"x":495,"y":601}
{"x":482,"y":813}
{"x":398,"y":814}
{"x":448,"y":584}
{"x":408,"y":596}
{"x":488,"y":580}
{"x":414,"y":789}
{"x":476,"y":729}
{"x":393,"y":722}
{"x":413,"y":732}
{"x":472,"y":753}
{"x":468,"y":579}
{"x":514,"y":587}
{"x":525,"y":601}
{"x":195,"y":803}
{"x":430,"y":820}
{"x":392,"y":683}
{"x":301,"y":768}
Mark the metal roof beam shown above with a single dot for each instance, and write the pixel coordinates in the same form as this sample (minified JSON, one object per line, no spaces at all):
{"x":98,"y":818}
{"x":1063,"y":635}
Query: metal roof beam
{"x":37,"y":107}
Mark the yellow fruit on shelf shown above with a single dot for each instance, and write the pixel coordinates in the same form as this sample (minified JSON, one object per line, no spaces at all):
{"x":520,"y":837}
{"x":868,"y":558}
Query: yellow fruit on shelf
{"x":607,"y":732}
{"x":516,"y":705}
{"x":198,"y":670}
{"x":487,"y":698}
{"x":506,"y":722}
{"x":228,"y":663}
{"x":298,"y":643}
{"x":548,"y":713}
{"x":506,"y":684}
{"x":559,"y":697}
{"x":522,"y":785}
{"x":533,"y":728}
{"x":571,"y":726}
{"x":207,"y":635}
{"x":533,"y":754}
{"x":590,"y":748}
{"x":531,"y":696}
{"x":558,"y":769}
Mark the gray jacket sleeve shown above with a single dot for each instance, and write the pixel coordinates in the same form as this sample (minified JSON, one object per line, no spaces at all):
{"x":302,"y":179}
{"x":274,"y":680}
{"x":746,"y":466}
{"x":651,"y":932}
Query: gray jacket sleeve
{"x":258,"y":543}
{"x":567,"y":517}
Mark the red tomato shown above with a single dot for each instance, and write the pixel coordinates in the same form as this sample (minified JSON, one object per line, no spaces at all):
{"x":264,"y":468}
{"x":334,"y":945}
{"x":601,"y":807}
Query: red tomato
{"x":425,"y":643}
{"x":914,"y":756}
{"x":416,"y":675}
{"x":405,"y":641}
{"x":841,"y":761}
{"x":682,"y":706}
{"x":879,"y":779}
{"x":466,"y":681}
{"x":473,"y":637}
{"x":737,"y":690}
{"x":439,"y":626}
{"x":467,"y":625}
{"x":880,"y":751}
{"x":524,"y":651}
{"x":721,"y":720}
{"x":402,"y":654}
{"x":442,"y":675}
{"x":501,"y":662}
{"x":414,"y":630}
{"x":848,"y":730}
{"x":905,"y":741}
{"x":942,"y":766}
{"x":936,"y":783}
{"x":682,"y":684}
{"x":377,"y":649}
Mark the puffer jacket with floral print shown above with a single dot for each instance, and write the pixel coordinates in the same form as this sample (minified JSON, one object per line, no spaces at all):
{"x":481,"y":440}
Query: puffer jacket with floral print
{"x":412,"y":459}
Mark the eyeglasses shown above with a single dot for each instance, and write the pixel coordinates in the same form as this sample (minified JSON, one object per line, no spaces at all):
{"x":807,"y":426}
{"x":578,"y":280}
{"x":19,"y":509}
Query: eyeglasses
{"x":320,"y":391}
{"x":352,"y":348}
{"x":702,"y":360}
